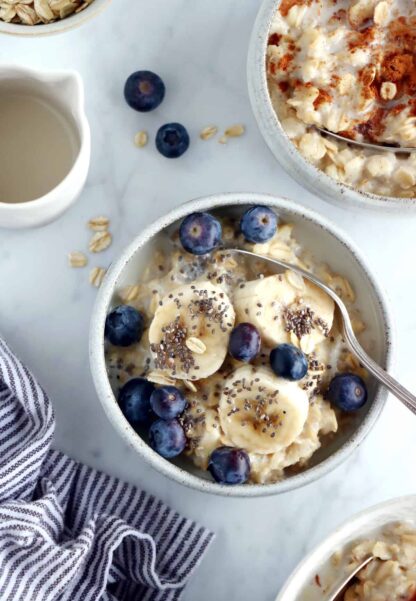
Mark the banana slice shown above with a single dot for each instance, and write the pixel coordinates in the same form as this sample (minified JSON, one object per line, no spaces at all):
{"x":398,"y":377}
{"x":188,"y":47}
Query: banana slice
{"x":260,"y":412}
{"x":285,"y":308}
{"x":190,"y":330}
{"x":202,"y":429}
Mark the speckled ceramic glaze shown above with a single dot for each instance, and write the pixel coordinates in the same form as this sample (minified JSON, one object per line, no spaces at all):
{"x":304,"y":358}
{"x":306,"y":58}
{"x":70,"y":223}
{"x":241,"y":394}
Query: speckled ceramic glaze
{"x":59,"y":26}
{"x":301,"y":582}
{"x":324,"y":240}
{"x":283,"y":149}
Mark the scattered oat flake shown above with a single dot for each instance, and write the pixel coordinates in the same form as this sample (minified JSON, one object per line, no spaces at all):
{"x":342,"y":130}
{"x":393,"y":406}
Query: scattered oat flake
{"x":129,"y":293}
{"x":223,"y":139}
{"x":96,"y":276}
{"x":26,"y":15}
{"x":100,"y":241}
{"x":77,"y":259}
{"x":158,"y":377}
{"x":141,"y":139}
{"x":195,"y":345}
{"x":190,"y":385}
{"x":43,"y":11}
{"x":99,"y":224}
{"x":235,"y":131}
{"x":208,"y":132}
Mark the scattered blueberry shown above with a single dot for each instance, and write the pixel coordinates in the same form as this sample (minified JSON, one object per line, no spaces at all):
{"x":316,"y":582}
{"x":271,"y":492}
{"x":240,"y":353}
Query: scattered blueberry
{"x":124,"y":326}
{"x":200,"y":233}
{"x":229,"y":465}
{"x":144,"y":91}
{"x":288,"y":362}
{"x":244,"y":342}
{"x":134,"y":401}
{"x":347,"y":391}
{"x":172,"y":140}
{"x":167,"y":402}
{"x":167,"y":438}
{"x":258,"y":224}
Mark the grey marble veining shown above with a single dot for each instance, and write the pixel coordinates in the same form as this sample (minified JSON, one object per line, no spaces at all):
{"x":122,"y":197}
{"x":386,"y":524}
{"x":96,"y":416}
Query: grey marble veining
{"x":200,"y":49}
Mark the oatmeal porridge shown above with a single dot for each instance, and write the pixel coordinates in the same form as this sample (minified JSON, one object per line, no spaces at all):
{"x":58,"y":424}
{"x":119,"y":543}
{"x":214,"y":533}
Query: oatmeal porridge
{"x":348,"y":66}
{"x":253,"y":353}
{"x":391,"y":576}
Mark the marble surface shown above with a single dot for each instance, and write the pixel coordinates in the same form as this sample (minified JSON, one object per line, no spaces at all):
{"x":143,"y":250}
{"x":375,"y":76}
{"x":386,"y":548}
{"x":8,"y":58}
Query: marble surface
{"x":199,"y":48}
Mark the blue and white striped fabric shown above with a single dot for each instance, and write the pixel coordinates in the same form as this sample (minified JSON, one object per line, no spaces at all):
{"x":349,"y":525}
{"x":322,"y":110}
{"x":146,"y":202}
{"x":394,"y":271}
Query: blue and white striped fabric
{"x":68,"y":532}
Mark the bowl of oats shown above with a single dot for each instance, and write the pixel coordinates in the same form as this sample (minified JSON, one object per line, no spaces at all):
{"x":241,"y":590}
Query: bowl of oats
{"x":46,"y":17}
{"x":386,"y":532}
{"x":221,"y":373}
{"x":347,"y":67}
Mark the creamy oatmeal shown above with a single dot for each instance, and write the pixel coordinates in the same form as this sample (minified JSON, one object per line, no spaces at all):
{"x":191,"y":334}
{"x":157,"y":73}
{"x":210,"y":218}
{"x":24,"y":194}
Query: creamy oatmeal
{"x":392,"y":575}
{"x":349,"y":67}
{"x":191,"y":304}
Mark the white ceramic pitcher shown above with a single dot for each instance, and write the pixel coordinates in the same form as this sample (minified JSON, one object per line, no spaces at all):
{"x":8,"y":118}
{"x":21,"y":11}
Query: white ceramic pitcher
{"x":64,"y":90}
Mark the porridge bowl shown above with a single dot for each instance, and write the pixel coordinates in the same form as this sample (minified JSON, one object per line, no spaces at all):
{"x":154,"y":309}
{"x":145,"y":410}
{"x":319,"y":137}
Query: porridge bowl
{"x":231,"y":363}
{"x":388,"y":532}
{"x":48,"y":17}
{"x":308,"y":68}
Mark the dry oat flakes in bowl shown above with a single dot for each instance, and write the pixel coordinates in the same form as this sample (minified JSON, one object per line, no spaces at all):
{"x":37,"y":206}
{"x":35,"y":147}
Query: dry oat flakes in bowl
{"x":42,"y":17}
{"x":348,"y":67}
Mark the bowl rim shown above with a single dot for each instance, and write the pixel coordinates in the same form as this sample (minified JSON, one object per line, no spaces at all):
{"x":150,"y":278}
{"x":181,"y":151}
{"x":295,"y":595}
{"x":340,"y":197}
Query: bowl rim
{"x":338,"y":537}
{"x":98,"y":365}
{"x":60,"y":26}
{"x":278,"y":141}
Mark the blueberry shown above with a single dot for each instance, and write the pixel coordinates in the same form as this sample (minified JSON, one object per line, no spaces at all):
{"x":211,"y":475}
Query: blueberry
{"x":134,"y":401}
{"x":229,"y":465}
{"x":258,"y":224}
{"x":144,"y":91}
{"x":347,"y":391}
{"x":244,"y":342}
{"x":172,"y":140}
{"x":200,"y":233}
{"x":124,"y":326}
{"x":167,"y":438}
{"x":288,"y":362}
{"x":167,"y":402}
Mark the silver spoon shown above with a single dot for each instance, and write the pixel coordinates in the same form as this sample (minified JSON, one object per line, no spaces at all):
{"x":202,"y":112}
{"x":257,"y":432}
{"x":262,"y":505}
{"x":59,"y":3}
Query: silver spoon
{"x":378,"y":372}
{"x":370,"y":145}
{"x":340,"y":587}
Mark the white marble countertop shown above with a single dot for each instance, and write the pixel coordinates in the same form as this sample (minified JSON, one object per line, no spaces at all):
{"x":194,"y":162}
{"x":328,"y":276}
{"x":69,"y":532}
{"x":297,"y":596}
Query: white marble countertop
{"x":199,"y":48}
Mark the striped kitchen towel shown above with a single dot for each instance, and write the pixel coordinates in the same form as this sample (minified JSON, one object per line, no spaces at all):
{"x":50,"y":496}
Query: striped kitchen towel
{"x":69,"y":532}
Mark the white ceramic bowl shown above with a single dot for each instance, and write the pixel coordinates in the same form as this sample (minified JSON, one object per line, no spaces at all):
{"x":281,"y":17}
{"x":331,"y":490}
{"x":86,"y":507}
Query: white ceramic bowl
{"x":59,"y":26}
{"x":283,"y":149}
{"x":300,"y":583}
{"x":324,"y":240}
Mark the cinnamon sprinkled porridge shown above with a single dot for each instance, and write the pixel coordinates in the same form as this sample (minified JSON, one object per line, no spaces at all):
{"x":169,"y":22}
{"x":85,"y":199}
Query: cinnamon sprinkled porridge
{"x":190,"y":306}
{"x":349,"y":67}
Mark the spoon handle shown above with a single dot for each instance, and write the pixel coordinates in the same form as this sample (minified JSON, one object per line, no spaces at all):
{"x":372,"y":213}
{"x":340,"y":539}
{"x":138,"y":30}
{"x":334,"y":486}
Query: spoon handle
{"x":399,"y":391}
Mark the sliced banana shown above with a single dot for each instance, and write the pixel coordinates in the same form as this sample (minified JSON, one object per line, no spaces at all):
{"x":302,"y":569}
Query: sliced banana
{"x":285,"y":308}
{"x":203,"y":431}
{"x":190,"y":330}
{"x":260,"y":412}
